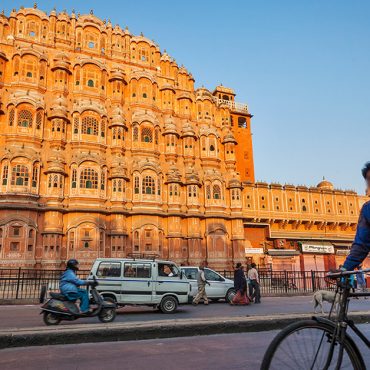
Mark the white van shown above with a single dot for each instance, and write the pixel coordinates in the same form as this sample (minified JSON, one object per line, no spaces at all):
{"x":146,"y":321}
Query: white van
{"x":129,"y":281}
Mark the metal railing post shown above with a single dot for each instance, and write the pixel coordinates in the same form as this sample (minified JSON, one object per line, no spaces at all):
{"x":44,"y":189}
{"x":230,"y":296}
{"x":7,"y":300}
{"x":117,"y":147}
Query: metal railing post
{"x":313,"y":278}
{"x":18,"y":282}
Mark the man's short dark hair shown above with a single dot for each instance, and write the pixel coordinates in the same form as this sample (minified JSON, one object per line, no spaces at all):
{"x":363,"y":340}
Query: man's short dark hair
{"x":366,"y":169}
{"x":253,"y":265}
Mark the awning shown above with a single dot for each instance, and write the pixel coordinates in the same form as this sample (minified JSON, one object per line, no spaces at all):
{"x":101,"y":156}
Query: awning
{"x":342,"y":245}
{"x":283,"y":252}
{"x":318,"y":248}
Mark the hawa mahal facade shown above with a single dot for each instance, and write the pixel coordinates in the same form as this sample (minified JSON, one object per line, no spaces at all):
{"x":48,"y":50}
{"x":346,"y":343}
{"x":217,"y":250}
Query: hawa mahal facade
{"x":108,"y":149}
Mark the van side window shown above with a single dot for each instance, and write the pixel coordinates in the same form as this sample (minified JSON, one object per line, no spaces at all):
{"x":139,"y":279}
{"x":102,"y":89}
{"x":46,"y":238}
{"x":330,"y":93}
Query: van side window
{"x":109,"y":269}
{"x":167,"y":270}
{"x":138,"y":270}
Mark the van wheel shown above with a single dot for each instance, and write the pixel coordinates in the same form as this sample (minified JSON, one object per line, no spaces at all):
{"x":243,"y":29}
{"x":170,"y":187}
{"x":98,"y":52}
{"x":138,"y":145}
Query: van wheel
{"x":230,"y":295}
{"x":168,"y":305}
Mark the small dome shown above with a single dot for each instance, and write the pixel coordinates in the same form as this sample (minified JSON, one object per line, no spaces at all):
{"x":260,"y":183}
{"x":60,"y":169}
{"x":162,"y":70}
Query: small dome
{"x":324,"y":184}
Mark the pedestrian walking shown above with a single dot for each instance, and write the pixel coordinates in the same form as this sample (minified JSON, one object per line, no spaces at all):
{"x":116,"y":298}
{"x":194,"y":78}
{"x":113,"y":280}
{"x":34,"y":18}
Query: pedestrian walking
{"x":240,"y":285}
{"x":361,"y":281}
{"x":201,"y":286}
{"x":255,"y":283}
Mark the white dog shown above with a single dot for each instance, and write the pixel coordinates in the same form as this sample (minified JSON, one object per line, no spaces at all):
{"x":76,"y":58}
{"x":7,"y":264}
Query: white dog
{"x":321,"y":296}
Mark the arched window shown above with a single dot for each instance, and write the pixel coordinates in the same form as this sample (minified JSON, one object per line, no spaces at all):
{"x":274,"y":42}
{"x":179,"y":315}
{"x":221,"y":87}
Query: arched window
{"x":114,"y":134}
{"x":216,"y":192}
{"x":146,"y":135}
{"x":304,"y":209}
{"x":102,"y":182}
{"x":90,"y":126}
{"x":212,"y":148}
{"x":49,"y":181}
{"x":5,"y":174}
{"x":135,"y":133}
{"x":120,"y":187}
{"x":156,"y":136}
{"x":11,"y":117}
{"x":20,"y":175}
{"x":25,"y":118}
{"x":90,"y":83}
{"x":102,"y":128}
{"x":88,"y":179}
{"x":74,"y":179}
{"x":195,"y":191}
{"x":148,"y":185}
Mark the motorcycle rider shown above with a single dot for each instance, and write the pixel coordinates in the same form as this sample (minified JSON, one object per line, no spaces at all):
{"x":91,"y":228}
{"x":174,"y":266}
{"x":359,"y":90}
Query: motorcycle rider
{"x":69,"y":286}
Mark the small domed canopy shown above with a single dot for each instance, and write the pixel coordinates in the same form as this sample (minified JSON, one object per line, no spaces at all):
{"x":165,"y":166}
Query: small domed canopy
{"x":324,"y":184}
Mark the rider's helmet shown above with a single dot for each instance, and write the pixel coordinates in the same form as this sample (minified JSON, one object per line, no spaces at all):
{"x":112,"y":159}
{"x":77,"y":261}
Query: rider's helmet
{"x":72,"y":264}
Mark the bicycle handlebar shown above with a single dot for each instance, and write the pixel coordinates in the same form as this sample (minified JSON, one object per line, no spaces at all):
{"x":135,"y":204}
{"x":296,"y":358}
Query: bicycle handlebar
{"x":345,"y":273}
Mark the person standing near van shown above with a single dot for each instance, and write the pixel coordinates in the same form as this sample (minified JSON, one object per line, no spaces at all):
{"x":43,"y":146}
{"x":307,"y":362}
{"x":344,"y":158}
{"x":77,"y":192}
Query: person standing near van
{"x":201,"y":286}
{"x":255,"y":283}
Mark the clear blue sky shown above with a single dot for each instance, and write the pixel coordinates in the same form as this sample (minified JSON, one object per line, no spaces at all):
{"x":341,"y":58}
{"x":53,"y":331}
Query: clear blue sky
{"x":303,"y":66}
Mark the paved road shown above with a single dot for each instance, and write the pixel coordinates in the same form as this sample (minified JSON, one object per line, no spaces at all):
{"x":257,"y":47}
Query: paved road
{"x":28,"y":316}
{"x":216,"y":352}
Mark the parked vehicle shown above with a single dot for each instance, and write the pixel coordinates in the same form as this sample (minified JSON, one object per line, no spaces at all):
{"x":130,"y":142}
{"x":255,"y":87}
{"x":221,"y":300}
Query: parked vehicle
{"x":59,"y":308}
{"x":148,"y":282}
{"x":219,"y":288}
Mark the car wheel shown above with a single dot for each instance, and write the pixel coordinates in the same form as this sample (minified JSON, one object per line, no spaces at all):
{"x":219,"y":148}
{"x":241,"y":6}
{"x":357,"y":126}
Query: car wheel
{"x":168,"y":304}
{"x":51,"y":319}
{"x":230,"y":295}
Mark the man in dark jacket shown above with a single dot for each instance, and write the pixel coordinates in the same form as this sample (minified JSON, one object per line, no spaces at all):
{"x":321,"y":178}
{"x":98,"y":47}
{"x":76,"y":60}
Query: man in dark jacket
{"x":361,"y":244}
{"x":240,"y":285}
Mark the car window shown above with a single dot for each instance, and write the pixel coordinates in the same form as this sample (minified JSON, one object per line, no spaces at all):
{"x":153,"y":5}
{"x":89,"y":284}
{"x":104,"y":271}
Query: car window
{"x":191,"y":273}
{"x":109,"y":269}
{"x":212,"y":276}
{"x":137,"y":270}
{"x":168,"y":270}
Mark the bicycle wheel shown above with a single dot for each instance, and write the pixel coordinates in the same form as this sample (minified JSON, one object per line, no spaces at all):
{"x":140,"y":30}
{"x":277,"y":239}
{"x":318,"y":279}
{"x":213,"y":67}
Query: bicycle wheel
{"x":306,"y":345}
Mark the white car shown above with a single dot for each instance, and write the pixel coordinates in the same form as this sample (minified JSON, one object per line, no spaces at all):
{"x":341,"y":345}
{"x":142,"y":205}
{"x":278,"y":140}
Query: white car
{"x":219,"y":288}
{"x":146,"y":282}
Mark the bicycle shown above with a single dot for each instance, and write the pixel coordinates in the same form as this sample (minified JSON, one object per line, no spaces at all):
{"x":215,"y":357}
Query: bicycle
{"x":320,"y":343}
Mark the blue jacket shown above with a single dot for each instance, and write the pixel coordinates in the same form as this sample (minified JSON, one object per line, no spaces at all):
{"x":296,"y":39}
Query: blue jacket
{"x":361,"y":244}
{"x":69,"y":282}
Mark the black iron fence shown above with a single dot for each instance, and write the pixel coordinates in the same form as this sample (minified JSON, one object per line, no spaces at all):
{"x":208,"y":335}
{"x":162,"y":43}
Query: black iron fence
{"x":25,"y":284}
{"x":21,"y":283}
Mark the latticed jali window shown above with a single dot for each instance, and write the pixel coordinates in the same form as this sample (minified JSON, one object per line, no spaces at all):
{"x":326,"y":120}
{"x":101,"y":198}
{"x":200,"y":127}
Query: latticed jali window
{"x":216,"y":192}
{"x":76,"y":123}
{"x":146,"y":135}
{"x":89,"y":179}
{"x":90,"y":126}
{"x":74,"y":178}
{"x":38,"y":120}
{"x":5,"y":175}
{"x":25,"y":118}
{"x":136,"y":185}
{"x":11,"y":117}
{"x":20,"y":175}
{"x":148,"y":185}
{"x":208,"y":192}
{"x":135,"y":133}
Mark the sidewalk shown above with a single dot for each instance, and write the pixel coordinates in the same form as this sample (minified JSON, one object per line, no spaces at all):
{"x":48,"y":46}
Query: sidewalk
{"x":87,"y":333}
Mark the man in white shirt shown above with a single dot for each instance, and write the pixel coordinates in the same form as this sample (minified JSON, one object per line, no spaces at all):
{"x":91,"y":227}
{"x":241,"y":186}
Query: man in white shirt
{"x":201,"y":287}
{"x":255,"y":283}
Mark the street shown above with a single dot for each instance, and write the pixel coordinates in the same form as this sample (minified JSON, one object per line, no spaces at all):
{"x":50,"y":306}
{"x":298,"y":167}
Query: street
{"x":28,"y":316}
{"x":225,"y":351}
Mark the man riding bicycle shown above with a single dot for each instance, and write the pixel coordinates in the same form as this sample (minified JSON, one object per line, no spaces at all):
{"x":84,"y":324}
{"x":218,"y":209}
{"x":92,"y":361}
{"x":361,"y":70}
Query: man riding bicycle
{"x":361,"y":244}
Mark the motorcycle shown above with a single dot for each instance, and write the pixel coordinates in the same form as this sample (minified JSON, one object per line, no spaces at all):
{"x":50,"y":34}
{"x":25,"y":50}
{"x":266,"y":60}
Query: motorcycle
{"x":59,"y":308}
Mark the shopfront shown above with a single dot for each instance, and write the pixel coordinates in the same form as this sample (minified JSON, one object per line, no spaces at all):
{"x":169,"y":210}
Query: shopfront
{"x":284,"y":259}
{"x":317,"y":256}
{"x":255,"y":255}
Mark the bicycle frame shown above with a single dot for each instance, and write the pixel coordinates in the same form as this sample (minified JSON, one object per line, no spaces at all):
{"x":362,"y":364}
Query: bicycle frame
{"x":342,"y":322}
